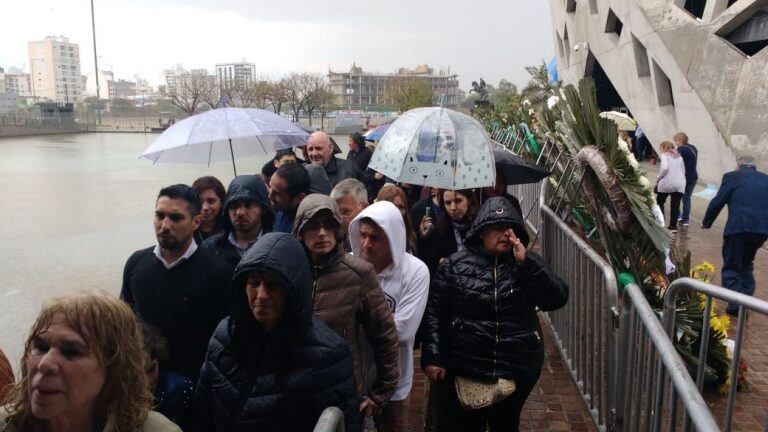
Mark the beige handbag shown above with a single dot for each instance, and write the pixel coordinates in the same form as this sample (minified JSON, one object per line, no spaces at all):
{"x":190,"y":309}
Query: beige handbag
{"x":474,"y":394}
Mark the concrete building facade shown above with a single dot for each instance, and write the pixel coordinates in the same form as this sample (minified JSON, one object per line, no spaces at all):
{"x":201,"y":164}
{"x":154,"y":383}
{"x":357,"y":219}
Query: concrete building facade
{"x":18,"y":84}
{"x":54,"y":65}
{"x":361,"y":90}
{"x":697,"y":66}
{"x":235,"y":74}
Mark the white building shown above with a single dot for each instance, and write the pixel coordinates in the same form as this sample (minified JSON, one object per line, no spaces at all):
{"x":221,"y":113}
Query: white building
{"x":105,"y":77}
{"x":54,"y":65}
{"x":697,"y":66}
{"x":235,"y":74}
{"x":18,"y":84}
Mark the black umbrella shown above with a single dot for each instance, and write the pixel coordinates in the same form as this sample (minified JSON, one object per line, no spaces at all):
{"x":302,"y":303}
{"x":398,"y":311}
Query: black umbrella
{"x":516,"y":170}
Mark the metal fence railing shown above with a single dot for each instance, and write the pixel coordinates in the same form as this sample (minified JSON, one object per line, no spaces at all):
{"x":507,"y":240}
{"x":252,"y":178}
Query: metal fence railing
{"x":744,"y":302}
{"x":647,"y":359}
{"x":529,"y":196}
{"x":585,"y":329}
{"x":331,"y":420}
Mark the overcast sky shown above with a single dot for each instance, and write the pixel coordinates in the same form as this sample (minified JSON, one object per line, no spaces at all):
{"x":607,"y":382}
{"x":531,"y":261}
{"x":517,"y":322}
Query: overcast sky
{"x":492,"y":39}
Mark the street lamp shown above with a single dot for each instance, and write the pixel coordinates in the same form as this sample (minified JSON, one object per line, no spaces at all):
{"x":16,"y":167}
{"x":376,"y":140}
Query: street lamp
{"x":95,"y":63}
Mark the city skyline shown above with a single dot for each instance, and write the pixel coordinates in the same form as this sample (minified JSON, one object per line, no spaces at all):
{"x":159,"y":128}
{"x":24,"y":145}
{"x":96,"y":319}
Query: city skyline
{"x":144,"y":38}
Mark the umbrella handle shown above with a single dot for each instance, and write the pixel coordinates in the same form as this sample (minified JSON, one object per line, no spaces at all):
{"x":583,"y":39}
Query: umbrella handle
{"x":232,"y":153}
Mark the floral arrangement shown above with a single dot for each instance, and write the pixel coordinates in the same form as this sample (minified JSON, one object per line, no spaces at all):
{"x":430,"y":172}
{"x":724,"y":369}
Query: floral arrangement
{"x":614,"y":208}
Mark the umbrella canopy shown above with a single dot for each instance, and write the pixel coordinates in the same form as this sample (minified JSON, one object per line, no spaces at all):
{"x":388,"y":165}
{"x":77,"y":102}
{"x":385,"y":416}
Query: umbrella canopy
{"x":623,"y":121}
{"x":376,"y":133}
{"x":225,"y":134}
{"x":436,"y":147}
{"x":516,"y":170}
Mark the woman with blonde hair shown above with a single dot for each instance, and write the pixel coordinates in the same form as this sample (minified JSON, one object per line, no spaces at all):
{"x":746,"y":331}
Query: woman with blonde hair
{"x":392,"y":193}
{"x":670,"y":182}
{"x":83,"y":370}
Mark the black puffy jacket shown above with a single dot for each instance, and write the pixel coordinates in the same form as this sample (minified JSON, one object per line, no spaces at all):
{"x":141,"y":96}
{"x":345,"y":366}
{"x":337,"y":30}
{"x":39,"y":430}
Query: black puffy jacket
{"x":275,"y":392}
{"x":340,"y":169}
{"x":481,"y":319}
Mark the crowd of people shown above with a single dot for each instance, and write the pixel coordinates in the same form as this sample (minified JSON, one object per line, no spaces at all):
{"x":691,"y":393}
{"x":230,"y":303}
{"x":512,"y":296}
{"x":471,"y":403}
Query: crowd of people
{"x":307,"y":286}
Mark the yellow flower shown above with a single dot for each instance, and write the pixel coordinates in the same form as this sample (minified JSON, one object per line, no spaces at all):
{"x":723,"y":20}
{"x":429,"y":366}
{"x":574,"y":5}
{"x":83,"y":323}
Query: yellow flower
{"x":708,"y":265}
{"x":720,"y":323}
{"x":724,"y":387}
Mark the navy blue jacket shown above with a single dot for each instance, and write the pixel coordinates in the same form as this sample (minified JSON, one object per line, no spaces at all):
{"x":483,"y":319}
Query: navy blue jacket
{"x":689,"y":154}
{"x":745,"y":191}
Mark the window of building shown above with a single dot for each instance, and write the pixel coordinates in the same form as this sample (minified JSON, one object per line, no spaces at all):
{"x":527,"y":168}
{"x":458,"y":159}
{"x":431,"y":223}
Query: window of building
{"x":570,"y":5}
{"x":593,"y":7}
{"x":747,"y":32}
{"x":663,"y":85}
{"x":613,"y":24}
{"x":695,"y":7}
{"x":567,"y":47}
{"x":560,"y":45}
{"x":641,"y":58}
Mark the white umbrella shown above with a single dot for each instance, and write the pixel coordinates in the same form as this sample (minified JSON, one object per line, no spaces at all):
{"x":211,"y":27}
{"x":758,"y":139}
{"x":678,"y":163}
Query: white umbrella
{"x":223,"y":134}
{"x":436,"y":147}
{"x":623,"y":121}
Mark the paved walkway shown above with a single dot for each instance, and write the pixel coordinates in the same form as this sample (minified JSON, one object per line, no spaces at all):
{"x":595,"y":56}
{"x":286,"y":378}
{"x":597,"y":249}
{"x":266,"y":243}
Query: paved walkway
{"x":554,"y":404}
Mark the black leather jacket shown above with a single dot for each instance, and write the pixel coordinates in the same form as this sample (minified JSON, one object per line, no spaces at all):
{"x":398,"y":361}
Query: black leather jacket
{"x":481,"y":319}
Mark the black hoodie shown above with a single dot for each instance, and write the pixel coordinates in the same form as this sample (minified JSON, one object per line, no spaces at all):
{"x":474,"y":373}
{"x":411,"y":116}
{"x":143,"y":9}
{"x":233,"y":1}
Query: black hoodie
{"x":279,"y":381}
{"x":242,"y":188}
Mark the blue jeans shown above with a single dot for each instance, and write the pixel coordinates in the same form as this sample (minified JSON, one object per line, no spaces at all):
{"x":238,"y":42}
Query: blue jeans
{"x":738,"y":263}
{"x":689,"y":186}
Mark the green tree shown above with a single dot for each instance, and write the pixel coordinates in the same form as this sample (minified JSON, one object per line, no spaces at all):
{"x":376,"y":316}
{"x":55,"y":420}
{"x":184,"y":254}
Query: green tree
{"x":538,"y":89}
{"x":406,"y":93}
{"x":507,"y":95}
{"x":91,"y":103}
{"x":120,"y":106}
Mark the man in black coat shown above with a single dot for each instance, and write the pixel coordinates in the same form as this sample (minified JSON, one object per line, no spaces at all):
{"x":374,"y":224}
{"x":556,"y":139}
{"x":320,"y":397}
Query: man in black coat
{"x":176,"y":287}
{"x":272,"y":366}
{"x":744,"y":191}
{"x":359,"y":153}
{"x":320,"y":152}
{"x":247,"y":216}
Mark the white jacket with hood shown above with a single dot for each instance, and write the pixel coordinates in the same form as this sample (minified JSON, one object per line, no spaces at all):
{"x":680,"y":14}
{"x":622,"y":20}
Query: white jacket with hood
{"x":405,"y":284}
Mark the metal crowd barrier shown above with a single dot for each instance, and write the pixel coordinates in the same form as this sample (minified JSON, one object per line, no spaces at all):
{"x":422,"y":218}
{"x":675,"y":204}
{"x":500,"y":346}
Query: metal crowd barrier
{"x":647,"y":357}
{"x":585,"y":330}
{"x":331,"y":420}
{"x":710,"y":291}
{"x":530,"y":202}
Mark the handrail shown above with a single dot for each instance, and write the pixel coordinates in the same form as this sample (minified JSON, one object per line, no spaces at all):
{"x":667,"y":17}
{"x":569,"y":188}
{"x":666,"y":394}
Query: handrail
{"x":634,"y":304}
{"x":585,"y":330}
{"x":744,"y":301}
{"x":331,"y":420}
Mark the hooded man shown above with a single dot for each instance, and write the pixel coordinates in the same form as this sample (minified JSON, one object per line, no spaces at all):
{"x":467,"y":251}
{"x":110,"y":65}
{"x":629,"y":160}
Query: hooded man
{"x":320,"y":150}
{"x":377,"y":235}
{"x":272,"y":365}
{"x":348,"y":298}
{"x":247,"y":216}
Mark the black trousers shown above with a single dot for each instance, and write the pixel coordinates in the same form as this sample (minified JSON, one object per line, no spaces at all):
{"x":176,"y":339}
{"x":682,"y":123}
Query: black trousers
{"x":739,"y":252}
{"x":502,"y":417}
{"x":674,"y":212}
